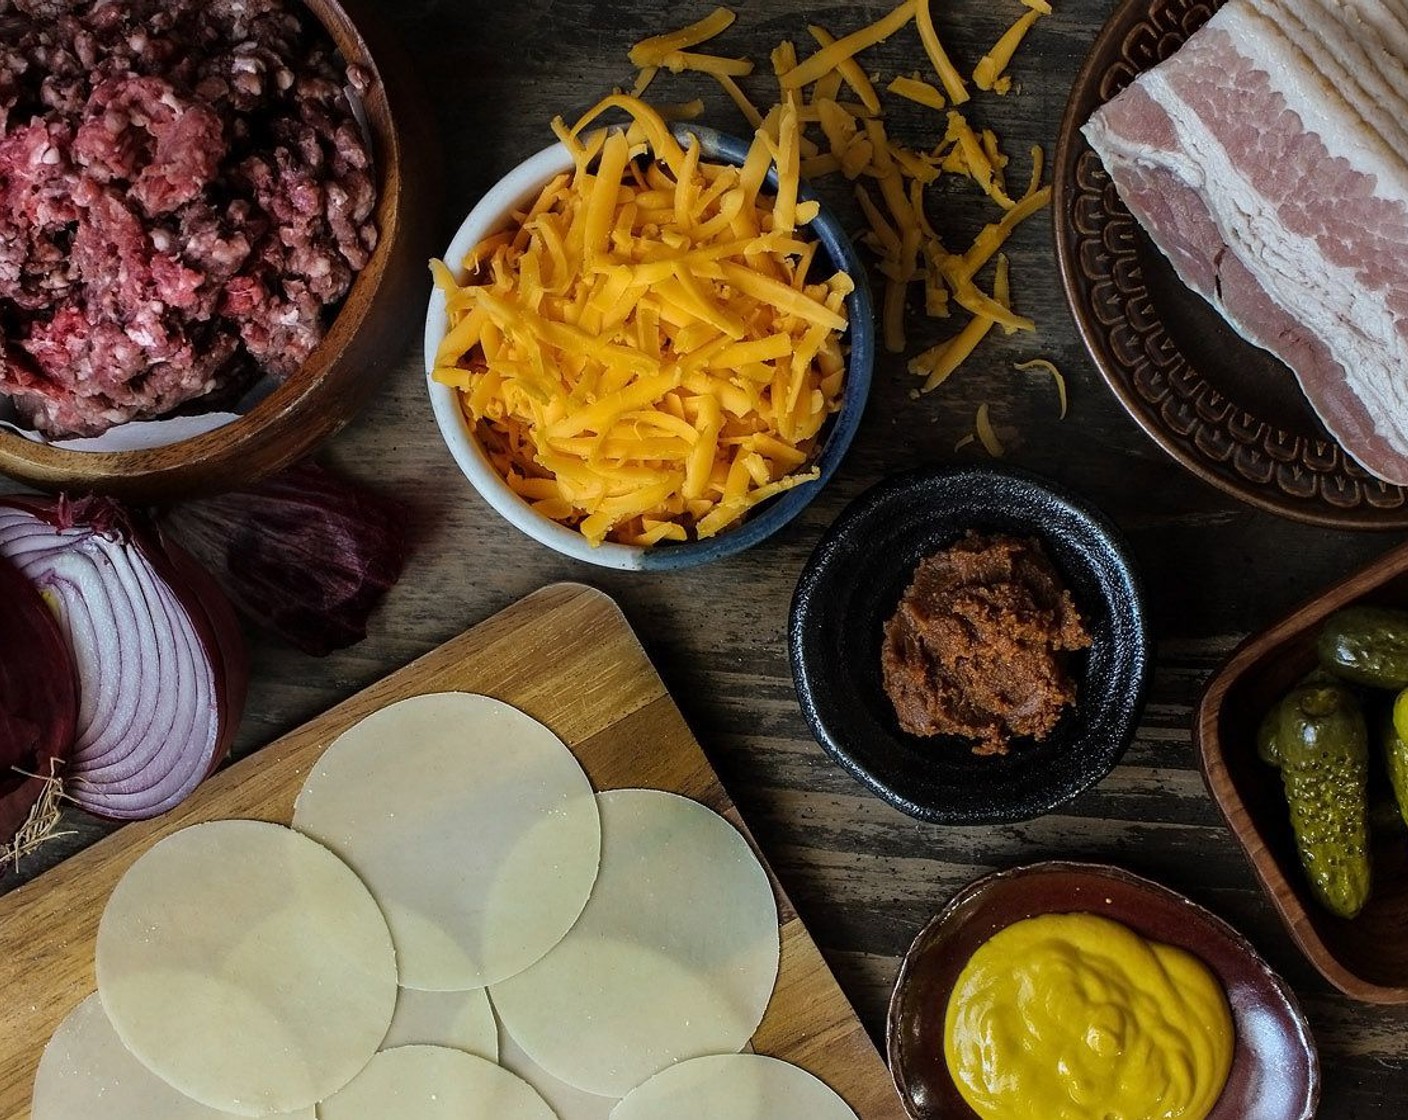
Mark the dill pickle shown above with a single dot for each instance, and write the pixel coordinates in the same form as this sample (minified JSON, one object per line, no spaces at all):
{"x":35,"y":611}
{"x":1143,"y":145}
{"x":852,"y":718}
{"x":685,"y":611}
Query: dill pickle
{"x":1268,"y":746}
{"x":1366,"y":645}
{"x":1324,"y":751}
{"x":1396,"y":752}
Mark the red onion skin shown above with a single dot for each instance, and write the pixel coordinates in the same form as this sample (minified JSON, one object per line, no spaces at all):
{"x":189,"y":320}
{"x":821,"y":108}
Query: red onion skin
{"x":38,"y":698}
{"x":209,"y":611}
{"x":305,"y":554}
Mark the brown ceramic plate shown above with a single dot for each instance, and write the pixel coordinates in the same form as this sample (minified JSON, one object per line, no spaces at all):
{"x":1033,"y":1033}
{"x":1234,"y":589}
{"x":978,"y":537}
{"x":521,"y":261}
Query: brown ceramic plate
{"x":1275,"y":1071}
{"x":1227,"y":410}
{"x":1366,"y":957}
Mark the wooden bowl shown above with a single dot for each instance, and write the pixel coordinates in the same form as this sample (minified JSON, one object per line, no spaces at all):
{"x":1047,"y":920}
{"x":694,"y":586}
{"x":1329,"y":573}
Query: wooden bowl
{"x":1365,"y":957}
{"x":1275,"y":1071}
{"x":365,"y":338}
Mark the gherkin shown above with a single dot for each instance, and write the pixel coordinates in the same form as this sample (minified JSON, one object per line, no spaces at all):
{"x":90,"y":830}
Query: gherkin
{"x":1396,"y":752}
{"x":1323,"y":748}
{"x":1366,"y":646}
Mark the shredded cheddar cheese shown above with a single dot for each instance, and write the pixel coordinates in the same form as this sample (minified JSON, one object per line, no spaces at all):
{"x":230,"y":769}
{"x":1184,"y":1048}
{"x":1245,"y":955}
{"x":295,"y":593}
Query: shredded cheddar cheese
{"x":914,"y":89}
{"x":849,"y":70}
{"x":1042,"y":365}
{"x":830,"y":57}
{"x":644,"y":354}
{"x":952,"y":80}
{"x":990,"y":68}
{"x":651,"y":52}
{"x":784,"y":58}
{"x":830,"y":92}
{"x":977,"y":157}
{"x":677,"y":61}
{"x":986,"y":435}
{"x":739,"y":98}
{"x":938,"y":362}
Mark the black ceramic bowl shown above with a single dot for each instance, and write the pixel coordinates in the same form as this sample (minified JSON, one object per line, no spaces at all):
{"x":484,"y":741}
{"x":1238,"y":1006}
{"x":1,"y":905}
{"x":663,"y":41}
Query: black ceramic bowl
{"x":852,"y":585}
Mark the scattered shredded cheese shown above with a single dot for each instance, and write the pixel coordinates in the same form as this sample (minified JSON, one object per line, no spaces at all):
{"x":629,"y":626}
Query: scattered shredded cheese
{"x":952,"y":80}
{"x":1045,"y":366}
{"x":652,"y":51}
{"x":783,"y":57}
{"x":938,"y":362}
{"x":830,"y":57}
{"x":680,"y":110}
{"x":977,"y":158}
{"x":919,"y":91}
{"x":677,"y":61}
{"x":990,"y":68}
{"x":986,"y":435}
{"x":890,"y":179}
{"x":849,"y":70}
{"x":994,"y":236}
{"x":644,"y":356}
{"x":739,"y":98}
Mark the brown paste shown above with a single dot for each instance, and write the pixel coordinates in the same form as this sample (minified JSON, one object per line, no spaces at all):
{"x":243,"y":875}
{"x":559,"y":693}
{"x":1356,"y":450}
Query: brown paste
{"x":978,"y":645}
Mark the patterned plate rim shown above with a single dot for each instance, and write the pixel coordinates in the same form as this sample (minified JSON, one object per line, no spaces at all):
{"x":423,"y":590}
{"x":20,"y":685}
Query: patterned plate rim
{"x":1305,"y":479}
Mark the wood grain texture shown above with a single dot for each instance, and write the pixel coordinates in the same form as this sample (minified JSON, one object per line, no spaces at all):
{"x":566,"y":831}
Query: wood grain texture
{"x":864,"y":877}
{"x":1366,"y":958}
{"x":564,"y":655}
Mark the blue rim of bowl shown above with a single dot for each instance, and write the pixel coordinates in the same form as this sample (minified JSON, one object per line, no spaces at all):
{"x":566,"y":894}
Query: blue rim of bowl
{"x":817,"y":570}
{"x":772,"y":515}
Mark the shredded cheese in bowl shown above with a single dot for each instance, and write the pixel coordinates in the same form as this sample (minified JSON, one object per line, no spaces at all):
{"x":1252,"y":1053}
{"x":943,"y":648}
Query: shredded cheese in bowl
{"x":650,"y":349}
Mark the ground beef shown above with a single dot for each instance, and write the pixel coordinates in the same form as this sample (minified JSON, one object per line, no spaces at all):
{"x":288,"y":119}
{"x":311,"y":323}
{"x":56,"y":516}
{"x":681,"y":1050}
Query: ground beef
{"x":978,"y":645}
{"x":184,"y":195}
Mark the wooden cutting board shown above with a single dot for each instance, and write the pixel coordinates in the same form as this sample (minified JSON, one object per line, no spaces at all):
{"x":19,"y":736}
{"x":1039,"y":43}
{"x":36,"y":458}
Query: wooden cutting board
{"x":566,"y":656}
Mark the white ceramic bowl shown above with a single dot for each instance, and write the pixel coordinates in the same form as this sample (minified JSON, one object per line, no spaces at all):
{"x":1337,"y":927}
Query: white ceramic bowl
{"x":491,"y":214}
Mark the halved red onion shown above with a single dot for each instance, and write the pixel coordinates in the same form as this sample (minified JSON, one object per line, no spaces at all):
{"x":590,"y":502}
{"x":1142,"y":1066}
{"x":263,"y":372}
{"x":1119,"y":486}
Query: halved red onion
{"x":159,"y":658}
{"x":38,"y":699}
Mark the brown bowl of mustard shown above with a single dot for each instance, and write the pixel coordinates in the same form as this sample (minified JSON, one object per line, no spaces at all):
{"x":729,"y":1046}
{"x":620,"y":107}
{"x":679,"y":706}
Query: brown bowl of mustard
{"x":1063,"y":991}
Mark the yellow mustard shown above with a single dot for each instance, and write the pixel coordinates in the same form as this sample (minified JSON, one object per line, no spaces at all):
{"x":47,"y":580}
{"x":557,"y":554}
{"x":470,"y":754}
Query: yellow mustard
{"x":1076,"y":1017}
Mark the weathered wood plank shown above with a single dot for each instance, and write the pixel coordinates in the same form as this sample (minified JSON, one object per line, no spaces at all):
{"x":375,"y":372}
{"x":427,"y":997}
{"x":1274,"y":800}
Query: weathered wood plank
{"x":1214,"y":570}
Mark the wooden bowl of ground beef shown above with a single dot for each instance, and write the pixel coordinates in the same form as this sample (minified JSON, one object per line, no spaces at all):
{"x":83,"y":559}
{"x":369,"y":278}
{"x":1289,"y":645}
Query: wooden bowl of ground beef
{"x":209,"y":210}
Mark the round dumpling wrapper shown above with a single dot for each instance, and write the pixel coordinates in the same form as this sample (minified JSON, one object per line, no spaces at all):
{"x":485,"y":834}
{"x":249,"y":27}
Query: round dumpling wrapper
{"x":86,"y":1073}
{"x":434,"y":1083}
{"x":569,"y":1102}
{"x":500,"y":801}
{"x":247,"y":966}
{"x":733,"y":1087}
{"x":675,"y":955}
{"x":459,"y":1020}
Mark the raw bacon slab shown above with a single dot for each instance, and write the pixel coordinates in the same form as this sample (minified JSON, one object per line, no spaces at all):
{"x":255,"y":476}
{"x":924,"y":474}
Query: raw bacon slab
{"x":1266,"y":159}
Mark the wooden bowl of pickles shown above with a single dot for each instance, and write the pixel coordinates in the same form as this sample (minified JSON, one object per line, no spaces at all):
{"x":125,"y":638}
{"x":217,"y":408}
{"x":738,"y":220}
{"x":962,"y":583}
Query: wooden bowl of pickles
{"x":1300,"y":750}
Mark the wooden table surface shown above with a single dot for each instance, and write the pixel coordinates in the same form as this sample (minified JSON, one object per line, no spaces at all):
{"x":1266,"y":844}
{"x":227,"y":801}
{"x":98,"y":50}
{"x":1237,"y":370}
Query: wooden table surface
{"x":864,"y":877}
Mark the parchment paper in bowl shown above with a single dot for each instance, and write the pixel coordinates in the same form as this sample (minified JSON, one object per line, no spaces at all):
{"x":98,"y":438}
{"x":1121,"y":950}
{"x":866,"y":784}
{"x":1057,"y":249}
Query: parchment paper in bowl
{"x":140,"y":435}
